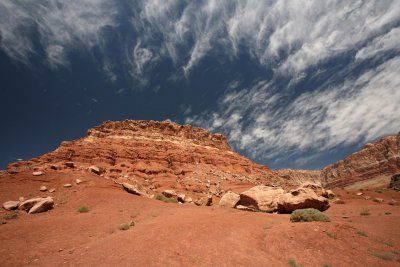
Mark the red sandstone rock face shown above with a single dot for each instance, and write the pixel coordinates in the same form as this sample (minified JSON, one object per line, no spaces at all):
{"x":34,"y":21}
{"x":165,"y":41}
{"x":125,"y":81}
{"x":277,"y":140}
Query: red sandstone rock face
{"x":381,"y":158}
{"x":155,"y":155}
{"x":375,"y":159}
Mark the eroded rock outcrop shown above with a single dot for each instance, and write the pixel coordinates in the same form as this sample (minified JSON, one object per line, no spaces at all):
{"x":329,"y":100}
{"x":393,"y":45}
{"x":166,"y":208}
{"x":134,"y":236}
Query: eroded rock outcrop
{"x":156,"y":155}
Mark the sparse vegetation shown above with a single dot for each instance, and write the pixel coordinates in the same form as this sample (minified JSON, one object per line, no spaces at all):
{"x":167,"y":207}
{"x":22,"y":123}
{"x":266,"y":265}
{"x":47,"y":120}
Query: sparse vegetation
{"x":362,"y":233}
{"x":62,"y":200}
{"x":379,"y":191}
{"x":83,"y":209}
{"x":338,"y":201}
{"x":292,"y":263}
{"x":387,"y":213}
{"x":2,"y":222}
{"x":11,"y":215}
{"x":377,"y":200}
{"x":383,"y":256}
{"x":166,"y":199}
{"x":365,"y":212}
{"x":124,"y":226}
{"x":308,"y":215}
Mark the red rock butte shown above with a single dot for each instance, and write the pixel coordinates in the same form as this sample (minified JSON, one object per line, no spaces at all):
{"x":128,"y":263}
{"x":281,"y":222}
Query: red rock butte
{"x":156,"y":154}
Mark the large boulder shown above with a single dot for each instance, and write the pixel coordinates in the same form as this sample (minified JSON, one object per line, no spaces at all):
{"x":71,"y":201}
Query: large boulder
{"x":261,"y":197}
{"x":229,"y":200}
{"x":204,"y":201}
{"x":395,"y":182}
{"x":42,"y":206}
{"x":301,"y":198}
{"x":36,"y":205}
{"x":10,"y":205}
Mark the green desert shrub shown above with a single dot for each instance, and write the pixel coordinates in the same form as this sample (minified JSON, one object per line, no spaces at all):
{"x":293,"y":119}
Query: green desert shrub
{"x":166,"y":199}
{"x":365,"y":212}
{"x":308,"y":215}
{"x":383,"y":256}
{"x":11,"y":215}
{"x":292,"y":263}
{"x":83,"y":209}
{"x":362,"y":233}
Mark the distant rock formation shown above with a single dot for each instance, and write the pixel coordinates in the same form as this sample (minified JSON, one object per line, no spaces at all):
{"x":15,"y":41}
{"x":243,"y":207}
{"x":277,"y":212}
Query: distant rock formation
{"x":374,"y":159}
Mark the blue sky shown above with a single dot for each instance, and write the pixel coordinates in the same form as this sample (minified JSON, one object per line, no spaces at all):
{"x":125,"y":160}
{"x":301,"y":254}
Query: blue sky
{"x":296,"y":84}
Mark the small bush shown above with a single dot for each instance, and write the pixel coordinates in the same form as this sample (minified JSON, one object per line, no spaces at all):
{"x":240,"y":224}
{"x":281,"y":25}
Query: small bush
{"x":166,"y":199}
{"x":83,"y":209}
{"x":124,"y":226}
{"x":383,"y":256}
{"x":2,"y":222}
{"x":308,"y":215}
{"x":377,"y":200}
{"x":11,"y":215}
{"x":362,"y":233}
{"x":292,"y":263}
{"x":365,"y":212}
{"x":387,"y":213}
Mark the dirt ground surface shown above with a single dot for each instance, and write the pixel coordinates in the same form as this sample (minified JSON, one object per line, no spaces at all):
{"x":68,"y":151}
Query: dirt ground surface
{"x":361,"y":232}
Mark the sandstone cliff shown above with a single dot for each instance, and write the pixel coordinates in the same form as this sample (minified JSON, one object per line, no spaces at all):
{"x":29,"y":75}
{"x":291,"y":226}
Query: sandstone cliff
{"x":155,"y":155}
{"x":374,"y":159}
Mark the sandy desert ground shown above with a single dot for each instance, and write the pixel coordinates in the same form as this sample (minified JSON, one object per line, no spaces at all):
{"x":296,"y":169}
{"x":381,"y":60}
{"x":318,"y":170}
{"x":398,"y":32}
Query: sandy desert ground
{"x":187,"y":235}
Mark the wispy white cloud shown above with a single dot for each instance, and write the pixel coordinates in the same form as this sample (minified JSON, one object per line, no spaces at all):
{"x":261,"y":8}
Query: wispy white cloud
{"x":62,"y":25}
{"x":357,"y":110}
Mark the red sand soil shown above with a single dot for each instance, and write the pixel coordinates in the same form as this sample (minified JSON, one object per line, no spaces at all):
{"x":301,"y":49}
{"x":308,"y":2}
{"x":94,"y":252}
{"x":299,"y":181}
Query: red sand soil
{"x":185,"y":235}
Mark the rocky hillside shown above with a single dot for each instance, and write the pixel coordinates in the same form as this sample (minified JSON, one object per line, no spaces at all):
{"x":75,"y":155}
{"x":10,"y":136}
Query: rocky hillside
{"x":381,"y":158}
{"x":155,"y":155}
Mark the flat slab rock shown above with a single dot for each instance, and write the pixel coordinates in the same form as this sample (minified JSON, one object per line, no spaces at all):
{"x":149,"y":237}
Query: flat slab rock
{"x":11,"y":205}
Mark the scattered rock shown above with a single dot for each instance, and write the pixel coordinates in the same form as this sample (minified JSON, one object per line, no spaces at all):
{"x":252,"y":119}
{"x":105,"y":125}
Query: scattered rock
{"x":392,"y":202}
{"x":359,"y":193}
{"x":229,"y":200}
{"x":67,"y":185}
{"x":21,"y":199}
{"x":329,"y":194}
{"x":181,"y":198}
{"x":261,"y":197}
{"x":69,"y":164}
{"x":42,"y":206}
{"x":204,"y":201}
{"x":169,"y":193}
{"x":54,"y":167}
{"x":52,"y":190}
{"x":367,"y":197}
{"x":241,"y":207}
{"x":188,"y":200}
{"x":10,"y":205}
{"x":43,"y":188}
{"x":78,"y":181}
{"x":301,"y":198}
{"x":133,"y":189}
{"x":38,"y":173}
{"x":95,"y":170}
